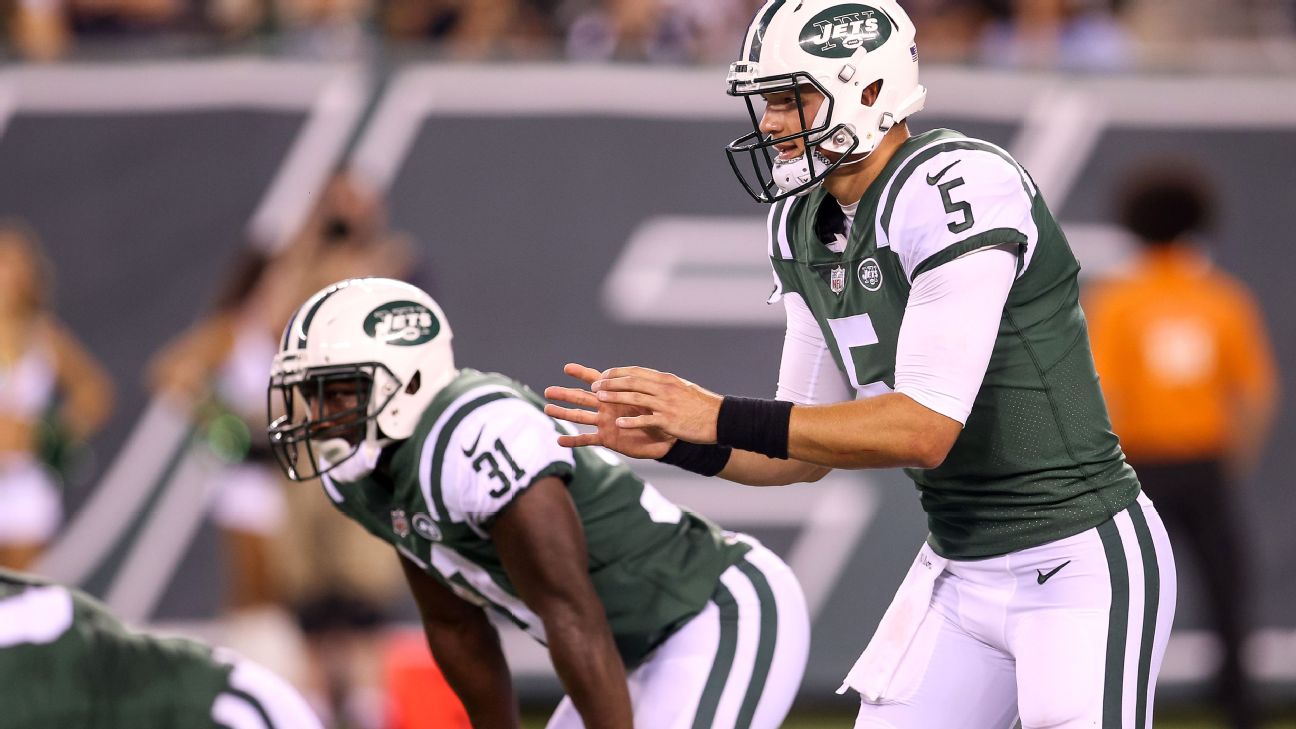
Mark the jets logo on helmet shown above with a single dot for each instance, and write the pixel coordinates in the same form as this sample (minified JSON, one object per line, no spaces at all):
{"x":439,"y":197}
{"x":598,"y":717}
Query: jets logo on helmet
{"x":358,"y":364}
{"x":402,"y":323}
{"x":836,"y":50}
{"x":840,"y":31}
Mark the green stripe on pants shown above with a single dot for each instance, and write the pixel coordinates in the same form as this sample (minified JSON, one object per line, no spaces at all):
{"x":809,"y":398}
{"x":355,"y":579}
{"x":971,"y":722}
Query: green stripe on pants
{"x":1151,"y":603}
{"x":724,"y":657}
{"x":765,"y":648}
{"x":1117,"y":623}
{"x":256,"y":705}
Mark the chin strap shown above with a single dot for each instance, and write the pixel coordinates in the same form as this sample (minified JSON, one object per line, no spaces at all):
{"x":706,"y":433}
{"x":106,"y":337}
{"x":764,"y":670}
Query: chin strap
{"x":346,"y":463}
{"x":793,"y":173}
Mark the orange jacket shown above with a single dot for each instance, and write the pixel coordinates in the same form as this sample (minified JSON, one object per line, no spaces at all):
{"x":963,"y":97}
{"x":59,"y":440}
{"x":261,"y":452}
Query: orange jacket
{"x":1180,"y":347}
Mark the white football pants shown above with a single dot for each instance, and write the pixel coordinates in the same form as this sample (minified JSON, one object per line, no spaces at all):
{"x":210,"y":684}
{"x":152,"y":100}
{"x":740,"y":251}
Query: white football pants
{"x":259,"y":699}
{"x":1065,"y":635}
{"x":735,"y":665}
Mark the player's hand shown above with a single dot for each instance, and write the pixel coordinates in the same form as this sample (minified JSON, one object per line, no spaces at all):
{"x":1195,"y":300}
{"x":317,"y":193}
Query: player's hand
{"x":664,"y":402}
{"x":634,"y":442}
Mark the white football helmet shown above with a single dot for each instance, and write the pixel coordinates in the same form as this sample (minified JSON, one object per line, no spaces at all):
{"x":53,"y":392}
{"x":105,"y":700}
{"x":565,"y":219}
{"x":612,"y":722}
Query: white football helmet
{"x":378,"y":345}
{"x":840,"y":48}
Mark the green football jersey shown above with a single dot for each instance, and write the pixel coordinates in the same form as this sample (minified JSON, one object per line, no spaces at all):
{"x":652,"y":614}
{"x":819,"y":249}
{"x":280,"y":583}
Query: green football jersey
{"x":481,"y":443}
{"x":65,"y":661}
{"x":1037,"y":459}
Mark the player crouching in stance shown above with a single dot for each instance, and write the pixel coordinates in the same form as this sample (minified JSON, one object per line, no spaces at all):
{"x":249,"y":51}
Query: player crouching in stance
{"x":653,"y":617}
{"x":66,"y":662}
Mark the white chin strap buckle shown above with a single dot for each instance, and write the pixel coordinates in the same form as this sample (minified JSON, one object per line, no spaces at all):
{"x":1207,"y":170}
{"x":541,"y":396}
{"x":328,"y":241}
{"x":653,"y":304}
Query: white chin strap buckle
{"x":887,"y":121}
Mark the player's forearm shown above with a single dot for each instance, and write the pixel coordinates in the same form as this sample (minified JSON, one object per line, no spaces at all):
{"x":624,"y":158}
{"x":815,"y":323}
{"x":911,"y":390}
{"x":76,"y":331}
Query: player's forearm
{"x":888,"y":431}
{"x":472,"y":662}
{"x":585,"y":657}
{"x":754,"y":469}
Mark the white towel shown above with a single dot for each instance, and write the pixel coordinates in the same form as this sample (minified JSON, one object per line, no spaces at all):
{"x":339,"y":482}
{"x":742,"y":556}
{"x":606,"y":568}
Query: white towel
{"x":873,"y":671}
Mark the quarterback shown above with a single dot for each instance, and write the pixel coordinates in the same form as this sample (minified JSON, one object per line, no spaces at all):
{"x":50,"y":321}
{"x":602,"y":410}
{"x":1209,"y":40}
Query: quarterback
{"x":66,"y":662}
{"x":933,"y":324}
{"x":653,"y":616}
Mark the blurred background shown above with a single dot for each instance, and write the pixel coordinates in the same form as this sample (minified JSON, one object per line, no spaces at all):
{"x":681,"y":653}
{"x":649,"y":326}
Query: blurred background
{"x":177,"y":175}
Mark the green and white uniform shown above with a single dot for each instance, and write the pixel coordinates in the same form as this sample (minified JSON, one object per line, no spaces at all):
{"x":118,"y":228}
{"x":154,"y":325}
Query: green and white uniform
{"x":1037,"y":460}
{"x":1036,"y":468}
{"x":66,"y":662}
{"x":674,"y":586}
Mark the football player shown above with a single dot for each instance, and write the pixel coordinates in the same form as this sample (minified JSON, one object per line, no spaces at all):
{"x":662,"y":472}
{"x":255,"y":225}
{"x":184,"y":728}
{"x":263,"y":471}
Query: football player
{"x":653,"y":617}
{"x":927,"y":272}
{"x":67,"y":662}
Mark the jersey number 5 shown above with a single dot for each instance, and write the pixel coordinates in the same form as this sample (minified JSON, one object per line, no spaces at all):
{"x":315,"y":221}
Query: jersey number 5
{"x":952,"y":207}
{"x":487,"y":458}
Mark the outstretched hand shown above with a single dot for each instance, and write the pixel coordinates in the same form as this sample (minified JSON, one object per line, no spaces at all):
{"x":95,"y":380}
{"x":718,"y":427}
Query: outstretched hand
{"x":636,"y":409}
{"x":635,"y":443}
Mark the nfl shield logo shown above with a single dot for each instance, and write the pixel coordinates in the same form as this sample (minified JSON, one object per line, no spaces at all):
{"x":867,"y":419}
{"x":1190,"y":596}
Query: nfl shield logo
{"x":837,"y":279}
{"x":400,"y":524}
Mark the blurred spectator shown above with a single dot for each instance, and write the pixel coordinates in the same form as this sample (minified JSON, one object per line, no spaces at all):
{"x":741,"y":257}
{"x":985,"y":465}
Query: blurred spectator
{"x":948,"y":30}
{"x":327,"y":29}
{"x":470,"y":29}
{"x":715,"y":25}
{"x":1174,"y":21}
{"x":1189,"y":378}
{"x":599,"y":31}
{"x":1069,"y":34}
{"x":276,"y":554}
{"x":53,"y":396}
{"x":124,"y":16}
{"x":44,"y":30}
{"x":663,"y":31}
{"x":38,"y":30}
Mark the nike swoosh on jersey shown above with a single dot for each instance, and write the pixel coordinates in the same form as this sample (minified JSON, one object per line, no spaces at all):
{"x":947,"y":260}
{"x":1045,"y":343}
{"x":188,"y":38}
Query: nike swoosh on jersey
{"x":473,"y":448}
{"x":1042,"y":576}
{"x":933,"y":179}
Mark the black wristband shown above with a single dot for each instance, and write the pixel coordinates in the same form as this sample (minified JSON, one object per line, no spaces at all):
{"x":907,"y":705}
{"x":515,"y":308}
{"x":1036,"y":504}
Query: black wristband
{"x":760,"y":426}
{"x":707,"y":460}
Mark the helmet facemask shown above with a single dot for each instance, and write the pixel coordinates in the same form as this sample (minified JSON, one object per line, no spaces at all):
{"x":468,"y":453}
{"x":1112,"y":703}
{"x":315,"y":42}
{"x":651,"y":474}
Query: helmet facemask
{"x":358,"y":365}
{"x":308,"y":437}
{"x":841,"y":49}
{"x":763,"y":181}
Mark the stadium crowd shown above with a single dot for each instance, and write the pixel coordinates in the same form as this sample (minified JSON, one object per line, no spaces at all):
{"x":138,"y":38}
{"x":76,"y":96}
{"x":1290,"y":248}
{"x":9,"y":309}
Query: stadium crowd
{"x":1092,"y":35}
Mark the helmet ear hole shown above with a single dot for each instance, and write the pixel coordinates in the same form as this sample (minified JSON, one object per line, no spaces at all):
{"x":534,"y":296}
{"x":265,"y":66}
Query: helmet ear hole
{"x":871,"y":93}
{"x":414,"y":384}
